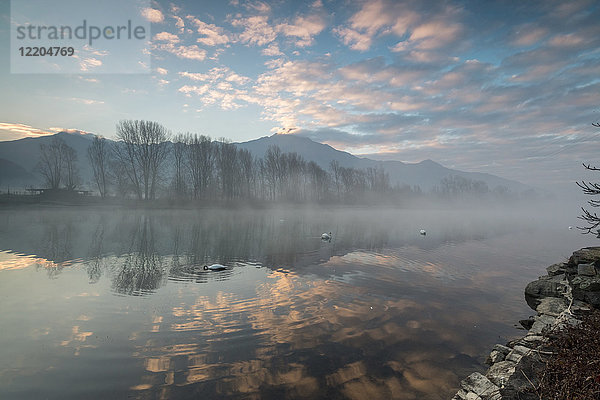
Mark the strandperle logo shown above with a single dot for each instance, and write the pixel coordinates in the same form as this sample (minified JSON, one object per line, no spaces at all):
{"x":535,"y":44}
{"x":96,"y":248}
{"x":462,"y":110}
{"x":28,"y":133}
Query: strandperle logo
{"x":90,"y":33}
{"x":80,"y":37}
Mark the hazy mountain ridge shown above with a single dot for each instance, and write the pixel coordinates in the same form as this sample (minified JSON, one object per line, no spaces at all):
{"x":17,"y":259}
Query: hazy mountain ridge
{"x":12,"y":174}
{"x":426,"y":174}
{"x":26,"y":154}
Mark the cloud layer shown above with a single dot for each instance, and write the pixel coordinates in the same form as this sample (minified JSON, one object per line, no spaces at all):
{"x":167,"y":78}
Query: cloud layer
{"x":494,"y":86}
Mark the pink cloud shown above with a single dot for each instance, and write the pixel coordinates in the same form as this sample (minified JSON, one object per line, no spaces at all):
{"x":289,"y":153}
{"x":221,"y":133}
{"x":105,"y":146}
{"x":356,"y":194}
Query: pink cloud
{"x":528,"y":35}
{"x":188,"y":52}
{"x":188,"y":90}
{"x":272,"y":50}
{"x":258,"y":6}
{"x":304,"y":28}
{"x":354,"y":39}
{"x":433,"y":35}
{"x":566,"y":40}
{"x":166,"y":37}
{"x":212,"y":35}
{"x":153,"y":15}
{"x":372,"y":16}
{"x":380,"y":17}
{"x":13,"y":131}
{"x":256,"y":30}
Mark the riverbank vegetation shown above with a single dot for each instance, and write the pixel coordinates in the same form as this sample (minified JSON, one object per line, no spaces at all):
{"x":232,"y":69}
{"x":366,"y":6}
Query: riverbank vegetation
{"x":573,"y":372}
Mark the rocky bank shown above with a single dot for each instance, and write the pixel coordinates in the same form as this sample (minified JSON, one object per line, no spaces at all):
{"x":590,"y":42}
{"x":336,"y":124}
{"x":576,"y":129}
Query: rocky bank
{"x":566,"y":292}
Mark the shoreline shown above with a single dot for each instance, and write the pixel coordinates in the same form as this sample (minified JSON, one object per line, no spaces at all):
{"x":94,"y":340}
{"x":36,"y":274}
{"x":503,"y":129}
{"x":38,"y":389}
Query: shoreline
{"x":569,"y":290}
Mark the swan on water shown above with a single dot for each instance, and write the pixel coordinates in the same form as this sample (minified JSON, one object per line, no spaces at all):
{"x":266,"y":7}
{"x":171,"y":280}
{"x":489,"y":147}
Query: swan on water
{"x":326,"y":236}
{"x":214,"y":267}
{"x":423,"y":232}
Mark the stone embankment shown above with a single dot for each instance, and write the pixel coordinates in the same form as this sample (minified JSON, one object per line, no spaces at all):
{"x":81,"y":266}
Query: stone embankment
{"x":568,"y":290}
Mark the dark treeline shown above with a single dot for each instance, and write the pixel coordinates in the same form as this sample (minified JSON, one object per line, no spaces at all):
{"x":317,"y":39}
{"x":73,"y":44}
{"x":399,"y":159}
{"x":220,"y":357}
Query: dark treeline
{"x":147,"y":162}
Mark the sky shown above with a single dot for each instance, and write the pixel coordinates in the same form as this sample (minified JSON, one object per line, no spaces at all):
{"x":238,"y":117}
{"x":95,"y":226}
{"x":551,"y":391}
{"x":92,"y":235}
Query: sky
{"x":504,"y":87}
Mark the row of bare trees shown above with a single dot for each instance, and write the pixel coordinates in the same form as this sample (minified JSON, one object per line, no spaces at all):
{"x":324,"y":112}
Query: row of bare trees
{"x":134,"y":165}
{"x":146,"y":160}
{"x":212,"y":170}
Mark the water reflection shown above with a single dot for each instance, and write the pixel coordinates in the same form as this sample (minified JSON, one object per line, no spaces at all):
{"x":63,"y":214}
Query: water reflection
{"x":308,"y":338}
{"x":94,"y":261}
{"x":141,"y":270}
{"x":378,"y":312}
{"x":155,"y":243}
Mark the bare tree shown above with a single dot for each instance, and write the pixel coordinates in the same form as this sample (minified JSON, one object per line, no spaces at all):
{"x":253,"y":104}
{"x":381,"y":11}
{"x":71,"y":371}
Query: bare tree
{"x":99,"y":158}
{"x":247,"y":173}
{"x":199,"y":160}
{"x":71,"y":171}
{"x":292,"y":174}
{"x":52,"y":162}
{"x":377,"y":179}
{"x":227,"y":168}
{"x":58,"y":164}
{"x":119,"y":174}
{"x":336,"y":175}
{"x":179,"y":151}
{"x":592,"y":189}
{"x":272,"y":169}
{"x":142,"y":151}
{"x":318,"y":180}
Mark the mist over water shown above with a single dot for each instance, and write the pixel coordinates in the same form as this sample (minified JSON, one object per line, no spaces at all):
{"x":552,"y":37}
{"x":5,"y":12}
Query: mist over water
{"x":115,"y":303}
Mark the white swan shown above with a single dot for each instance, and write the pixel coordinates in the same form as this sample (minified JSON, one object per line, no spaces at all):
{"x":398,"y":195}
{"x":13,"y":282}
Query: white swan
{"x":214,"y":267}
{"x":326,"y":236}
{"x":423,"y":232}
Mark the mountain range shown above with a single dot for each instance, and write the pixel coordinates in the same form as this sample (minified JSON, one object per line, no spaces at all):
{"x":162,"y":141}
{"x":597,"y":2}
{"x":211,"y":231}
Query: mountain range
{"x":426,"y":174}
{"x":19,"y":158}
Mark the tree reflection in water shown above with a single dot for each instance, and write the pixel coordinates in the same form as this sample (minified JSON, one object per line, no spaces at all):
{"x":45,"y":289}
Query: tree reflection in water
{"x":380,"y":312}
{"x":142,"y":269}
{"x":95,"y":262}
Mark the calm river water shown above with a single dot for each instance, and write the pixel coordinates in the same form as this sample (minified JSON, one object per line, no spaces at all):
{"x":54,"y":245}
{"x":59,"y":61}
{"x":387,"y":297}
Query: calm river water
{"x":101,"y":304}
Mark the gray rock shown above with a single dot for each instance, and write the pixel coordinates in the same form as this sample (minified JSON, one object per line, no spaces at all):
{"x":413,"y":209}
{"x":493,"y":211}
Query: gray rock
{"x":580,"y":306}
{"x":587,"y":255}
{"x":567,"y":320}
{"x":534,"y":339}
{"x":517,"y":353}
{"x":541,"y":322}
{"x":586,"y":269}
{"x":592,"y":298}
{"x":526,"y":323}
{"x":556,"y":269}
{"x":494,"y":357}
{"x":586,"y":283}
{"x":546,"y":286}
{"x":587,"y":289}
{"x":527,"y":375}
{"x":498,"y":354}
{"x":461,"y":395}
{"x":481,"y":386}
{"x":464,"y":395}
{"x":552,"y":306}
{"x":500,"y":373}
{"x":502,"y":349}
